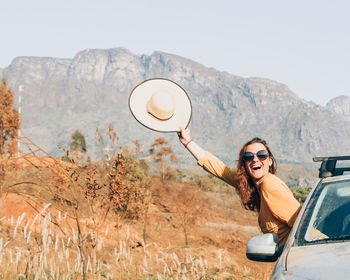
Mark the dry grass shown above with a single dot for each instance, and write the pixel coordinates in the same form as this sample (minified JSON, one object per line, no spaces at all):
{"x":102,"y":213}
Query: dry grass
{"x":38,"y":249}
{"x":115,"y":220}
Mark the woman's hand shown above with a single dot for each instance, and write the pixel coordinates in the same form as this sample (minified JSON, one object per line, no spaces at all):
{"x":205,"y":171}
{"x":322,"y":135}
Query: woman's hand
{"x":185,"y":138}
{"x":184,"y":135}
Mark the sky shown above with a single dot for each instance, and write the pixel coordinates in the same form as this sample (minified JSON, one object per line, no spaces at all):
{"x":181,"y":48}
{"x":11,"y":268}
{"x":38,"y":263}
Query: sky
{"x":304,"y":44}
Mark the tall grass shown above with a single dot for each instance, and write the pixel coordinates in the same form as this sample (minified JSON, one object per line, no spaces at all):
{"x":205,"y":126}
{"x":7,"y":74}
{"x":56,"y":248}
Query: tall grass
{"x":35,"y":248}
{"x":86,"y":219}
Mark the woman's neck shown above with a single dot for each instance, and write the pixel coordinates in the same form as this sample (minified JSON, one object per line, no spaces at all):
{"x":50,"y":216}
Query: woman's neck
{"x":259,"y":182}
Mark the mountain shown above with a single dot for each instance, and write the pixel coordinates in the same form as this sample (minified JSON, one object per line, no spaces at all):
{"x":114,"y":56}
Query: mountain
{"x":340,"y":105}
{"x":91,"y":90}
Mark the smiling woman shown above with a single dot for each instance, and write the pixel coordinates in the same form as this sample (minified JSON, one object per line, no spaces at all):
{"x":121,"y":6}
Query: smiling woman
{"x":255,"y":181}
{"x":258,"y":167}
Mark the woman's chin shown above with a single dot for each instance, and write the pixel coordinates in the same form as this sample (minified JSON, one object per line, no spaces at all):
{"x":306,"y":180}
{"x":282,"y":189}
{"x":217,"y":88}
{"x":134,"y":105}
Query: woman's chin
{"x":257,"y":175}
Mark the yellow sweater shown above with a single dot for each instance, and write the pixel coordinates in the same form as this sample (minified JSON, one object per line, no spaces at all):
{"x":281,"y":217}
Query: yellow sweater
{"x":278,"y":207}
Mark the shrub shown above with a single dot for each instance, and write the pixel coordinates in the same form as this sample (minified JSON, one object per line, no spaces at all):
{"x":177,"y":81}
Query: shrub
{"x":300,"y":193}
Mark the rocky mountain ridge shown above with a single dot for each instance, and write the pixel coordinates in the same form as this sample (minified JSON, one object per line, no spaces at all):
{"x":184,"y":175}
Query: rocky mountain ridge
{"x":340,"y":105}
{"x":91,"y":90}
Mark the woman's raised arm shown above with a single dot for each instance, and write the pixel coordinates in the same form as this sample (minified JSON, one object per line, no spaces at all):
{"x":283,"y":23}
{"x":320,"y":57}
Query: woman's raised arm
{"x":185,"y":138}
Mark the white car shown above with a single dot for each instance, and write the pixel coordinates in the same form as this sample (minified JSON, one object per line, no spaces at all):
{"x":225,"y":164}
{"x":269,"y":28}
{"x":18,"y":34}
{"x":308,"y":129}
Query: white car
{"x":318,"y":246}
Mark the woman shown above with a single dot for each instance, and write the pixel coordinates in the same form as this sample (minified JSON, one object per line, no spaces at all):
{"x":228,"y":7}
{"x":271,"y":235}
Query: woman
{"x":260,"y":190}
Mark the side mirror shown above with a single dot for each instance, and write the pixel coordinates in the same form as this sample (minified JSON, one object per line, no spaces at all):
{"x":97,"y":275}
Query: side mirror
{"x":263,"y":248}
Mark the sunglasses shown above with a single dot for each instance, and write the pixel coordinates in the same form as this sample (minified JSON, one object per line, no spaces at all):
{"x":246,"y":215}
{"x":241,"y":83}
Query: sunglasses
{"x":261,"y":155}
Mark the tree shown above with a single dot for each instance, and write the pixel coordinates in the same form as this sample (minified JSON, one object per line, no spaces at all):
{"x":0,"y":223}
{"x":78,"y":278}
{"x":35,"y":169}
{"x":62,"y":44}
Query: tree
{"x":78,"y":143}
{"x":10,"y":120}
{"x":190,"y":202}
{"x":164,"y":152}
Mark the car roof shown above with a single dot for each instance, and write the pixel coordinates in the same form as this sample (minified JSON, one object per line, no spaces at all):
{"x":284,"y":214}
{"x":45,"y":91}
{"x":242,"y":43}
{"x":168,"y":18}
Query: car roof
{"x":336,"y":178}
{"x":329,"y":167}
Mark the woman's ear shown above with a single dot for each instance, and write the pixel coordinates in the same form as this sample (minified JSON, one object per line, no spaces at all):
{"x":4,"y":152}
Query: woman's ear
{"x":270,"y":161}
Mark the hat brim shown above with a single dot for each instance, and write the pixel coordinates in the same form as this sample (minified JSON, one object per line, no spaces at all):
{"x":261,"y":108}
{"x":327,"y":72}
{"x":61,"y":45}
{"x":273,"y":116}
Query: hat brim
{"x":141,"y":94}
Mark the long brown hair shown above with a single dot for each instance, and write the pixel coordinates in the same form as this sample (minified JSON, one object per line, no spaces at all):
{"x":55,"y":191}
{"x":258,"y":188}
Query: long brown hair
{"x":246,"y":189}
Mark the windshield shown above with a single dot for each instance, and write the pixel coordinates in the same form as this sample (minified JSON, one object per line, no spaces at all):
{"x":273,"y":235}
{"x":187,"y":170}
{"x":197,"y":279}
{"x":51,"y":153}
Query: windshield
{"x":327,"y":215}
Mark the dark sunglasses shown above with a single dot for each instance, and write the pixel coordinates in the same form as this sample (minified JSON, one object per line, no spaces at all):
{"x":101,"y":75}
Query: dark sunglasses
{"x":261,"y":155}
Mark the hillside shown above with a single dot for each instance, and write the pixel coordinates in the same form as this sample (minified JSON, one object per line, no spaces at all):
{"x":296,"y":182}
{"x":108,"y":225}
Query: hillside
{"x":91,"y":90}
{"x":56,"y":222}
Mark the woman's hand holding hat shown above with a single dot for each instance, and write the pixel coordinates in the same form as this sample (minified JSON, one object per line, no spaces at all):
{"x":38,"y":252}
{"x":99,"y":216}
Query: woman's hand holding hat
{"x":185,"y":138}
{"x":184,"y":135}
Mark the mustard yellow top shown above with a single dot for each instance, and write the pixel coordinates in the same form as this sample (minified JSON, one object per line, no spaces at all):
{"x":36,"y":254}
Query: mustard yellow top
{"x":278,"y":207}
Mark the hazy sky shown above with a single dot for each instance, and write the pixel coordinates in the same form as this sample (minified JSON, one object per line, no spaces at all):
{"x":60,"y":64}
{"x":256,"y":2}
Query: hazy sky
{"x":304,"y":44}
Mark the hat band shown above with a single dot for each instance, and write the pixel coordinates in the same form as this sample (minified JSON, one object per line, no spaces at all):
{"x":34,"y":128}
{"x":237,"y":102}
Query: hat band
{"x":159,"y":118}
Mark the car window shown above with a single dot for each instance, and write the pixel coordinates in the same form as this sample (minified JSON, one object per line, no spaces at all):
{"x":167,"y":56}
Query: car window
{"x":327,"y":217}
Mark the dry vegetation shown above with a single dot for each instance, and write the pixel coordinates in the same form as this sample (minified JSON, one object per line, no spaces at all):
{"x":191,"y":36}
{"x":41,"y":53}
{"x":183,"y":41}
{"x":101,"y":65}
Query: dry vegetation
{"x":119,"y":219}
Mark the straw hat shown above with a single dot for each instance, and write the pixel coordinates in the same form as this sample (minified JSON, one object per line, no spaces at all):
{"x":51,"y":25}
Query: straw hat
{"x":160,"y":105}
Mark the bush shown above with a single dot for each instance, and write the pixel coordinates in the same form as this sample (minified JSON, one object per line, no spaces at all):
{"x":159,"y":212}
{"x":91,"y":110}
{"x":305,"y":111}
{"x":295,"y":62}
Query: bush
{"x":300,"y":193}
